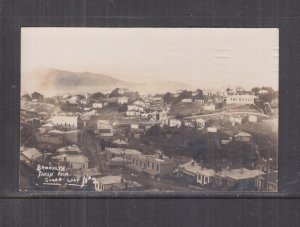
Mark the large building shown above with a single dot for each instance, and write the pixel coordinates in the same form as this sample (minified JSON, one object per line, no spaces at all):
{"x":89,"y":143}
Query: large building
{"x":240,"y":99}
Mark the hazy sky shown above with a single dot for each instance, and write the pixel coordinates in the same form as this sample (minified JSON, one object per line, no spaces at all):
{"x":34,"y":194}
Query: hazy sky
{"x":197,"y":56}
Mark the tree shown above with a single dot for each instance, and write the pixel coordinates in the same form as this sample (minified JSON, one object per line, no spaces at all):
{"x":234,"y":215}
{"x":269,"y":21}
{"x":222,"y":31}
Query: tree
{"x":114,"y":93}
{"x":184,"y":95}
{"x":98,"y":95}
{"x":36,"y":95}
{"x":167,"y":98}
{"x":123,"y":108}
{"x":255,"y":90}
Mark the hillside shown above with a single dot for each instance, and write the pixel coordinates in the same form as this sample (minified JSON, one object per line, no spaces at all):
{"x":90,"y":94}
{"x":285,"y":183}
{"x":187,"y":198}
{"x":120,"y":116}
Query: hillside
{"x":50,"y":82}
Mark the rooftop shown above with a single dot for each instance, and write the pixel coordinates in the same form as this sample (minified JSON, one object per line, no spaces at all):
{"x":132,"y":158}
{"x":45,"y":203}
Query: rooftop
{"x":240,"y":174}
{"x":32,"y":153}
{"x":71,"y":158}
{"x":110,"y":180}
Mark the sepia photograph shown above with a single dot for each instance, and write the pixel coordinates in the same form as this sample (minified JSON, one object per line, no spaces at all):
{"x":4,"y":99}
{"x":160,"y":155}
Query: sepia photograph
{"x":149,"y":109}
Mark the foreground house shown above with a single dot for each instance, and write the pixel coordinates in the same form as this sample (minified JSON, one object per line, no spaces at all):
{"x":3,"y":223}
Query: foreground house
{"x":32,"y":156}
{"x":75,"y":162}
{"x":237,"y":179}
{"x":115,"y":183}
{"x":153,"y":165}
{"x":119,"y":156}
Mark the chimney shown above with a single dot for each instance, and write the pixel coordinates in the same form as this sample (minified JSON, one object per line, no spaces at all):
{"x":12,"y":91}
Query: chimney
{"x":192,"y":163}
{"x":242,"y":170}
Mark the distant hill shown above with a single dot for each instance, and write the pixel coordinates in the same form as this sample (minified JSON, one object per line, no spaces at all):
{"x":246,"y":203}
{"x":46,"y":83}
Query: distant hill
{"x":50,"y":81}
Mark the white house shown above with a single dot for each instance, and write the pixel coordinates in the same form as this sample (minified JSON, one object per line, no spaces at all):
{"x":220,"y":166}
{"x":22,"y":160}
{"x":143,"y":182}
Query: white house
{"x":135,"y":107}
{"x":243,"y":137}
{"x":97,"y":105}
{"x":209,"y":107}
{"x":252,"y":118}
{"x":174,"y":122}
{"x":122,"y":100}
{"x":200,"y":123}
{"x":199,"y":101}
{"x":186,"y":100}
{"x":134,"y":126}
{"x":64,"y":122}
{"x":72,"y":161}
{"x":240,"y":99}
{"x":107,"y":183}
{"x":204,"y":176}
{"x":133,"y":113}
{"x":32,"y":156}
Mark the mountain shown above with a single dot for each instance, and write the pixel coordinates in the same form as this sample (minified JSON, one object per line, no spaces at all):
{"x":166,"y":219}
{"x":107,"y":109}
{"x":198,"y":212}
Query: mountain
{"x":50,"y":81}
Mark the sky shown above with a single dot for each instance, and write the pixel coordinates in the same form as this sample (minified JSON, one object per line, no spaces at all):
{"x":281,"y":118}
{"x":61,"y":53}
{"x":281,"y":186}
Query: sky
{"x":205,"y":57}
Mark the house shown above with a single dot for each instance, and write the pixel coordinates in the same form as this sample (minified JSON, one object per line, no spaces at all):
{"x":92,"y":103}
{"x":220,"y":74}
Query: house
{"x":236,"y":120}
{"x":107,"y":183}
{"x":46,"y":127}
{"x":115,"y":183}
{"x":204,"y":176}
{"x":153,"y":165}
{"x":120,"y":142}
{"x":134,"y":126}
{"x":243,"y":137}
{"x":199,"y":101}
{"x":135,"y":107}
{"x":174,"y":122}
{"x":132,"y":113}
{"x":200,"y":123}
{"x":252,"y":118}
{"x":31,"y":156}
{"x":190,"y":168}
{"x":189,"y":123}
{"x":140,"y":103}
{"x":187,"y":100}
{"x":64,"y":123}
{"x":119,"y":156}
{"x":75,"y":162}
{"x":240,"y":99}
{"x":209,"y":107}
{"x":97,"y":105}
{"x":73,"y":149}
{"x":103,"y":124}
{"x":122,"y":100}
{"x":238,"y":179}
{"x":267,"y":182}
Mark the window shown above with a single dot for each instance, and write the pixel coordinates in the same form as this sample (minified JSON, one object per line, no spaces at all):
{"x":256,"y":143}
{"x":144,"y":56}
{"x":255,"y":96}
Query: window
{"x":157,"y":167}
{"x":83,"y":166}
{"x":152,"y":165}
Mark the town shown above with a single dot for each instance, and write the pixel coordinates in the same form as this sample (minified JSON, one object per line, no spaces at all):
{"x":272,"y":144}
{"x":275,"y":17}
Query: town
{"x":190,"y":140}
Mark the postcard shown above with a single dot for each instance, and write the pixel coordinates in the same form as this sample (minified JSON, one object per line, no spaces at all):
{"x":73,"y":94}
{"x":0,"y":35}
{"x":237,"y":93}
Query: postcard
{"x":149,"y":109}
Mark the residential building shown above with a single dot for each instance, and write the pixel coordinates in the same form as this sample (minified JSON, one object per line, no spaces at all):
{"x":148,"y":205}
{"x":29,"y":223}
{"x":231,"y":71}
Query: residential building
{"x":153,"y":165}
{"x":252,"y":118}
{"x":238,"y":179}
{"x":240,"y":99}
{"x":174,"y":122}
{"x":31,"y":156}
{"x":122,"y":100}
{"x":132,"y":113}
{"x":209,"y":107}
{"x":243,"y":137}
{"x":71,"y":150}
{"x":71,"y":161}
{"x":97,"y":105}
{"x":64,"y":123}
{"x":187,"y":100}
{"x":204,"y":176}
{"x":119,"y":156}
